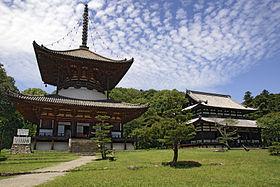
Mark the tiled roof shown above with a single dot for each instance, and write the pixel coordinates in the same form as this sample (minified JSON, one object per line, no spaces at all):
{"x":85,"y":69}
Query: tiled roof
{"x":81,"y":53}
{"x":76,"y":102}
{"x":221,"y":121}
{"x":216,"y":100}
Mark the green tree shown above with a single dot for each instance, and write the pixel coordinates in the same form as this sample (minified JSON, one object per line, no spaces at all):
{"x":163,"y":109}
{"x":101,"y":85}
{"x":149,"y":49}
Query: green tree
{"x":266,"y":103}
{"x":10,"y":120}
{"x":270,"y":125}
{"x":248,"y":99}
{"x":31,"y":127}
{"x":176,"y":130}
{"x":102,"y":134}
{"x":227,"y":135}
{"x":34,"y":91}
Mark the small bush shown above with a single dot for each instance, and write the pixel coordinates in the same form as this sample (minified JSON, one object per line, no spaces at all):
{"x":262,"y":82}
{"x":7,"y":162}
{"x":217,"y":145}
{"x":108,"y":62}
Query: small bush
{"x":275,"y":148}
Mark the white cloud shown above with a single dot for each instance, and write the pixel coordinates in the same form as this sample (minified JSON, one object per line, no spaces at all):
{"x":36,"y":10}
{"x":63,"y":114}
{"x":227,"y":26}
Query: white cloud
{"x":172,"y":49}
{"x":96,"y":4}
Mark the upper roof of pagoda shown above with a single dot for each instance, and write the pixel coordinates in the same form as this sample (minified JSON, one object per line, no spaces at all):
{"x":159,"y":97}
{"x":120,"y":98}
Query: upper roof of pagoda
{"x":80,"y":53}
{"x":80,"y":67}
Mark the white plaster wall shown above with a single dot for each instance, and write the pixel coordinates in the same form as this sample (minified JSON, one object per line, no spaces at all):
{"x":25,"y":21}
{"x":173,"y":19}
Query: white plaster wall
{"x":129,"y":146}
{"x":46,"y":146}
{"x":43,"y":146}
{"x":120,"y":146}
{"x":82,"y":93}
{"x":61,"y":146}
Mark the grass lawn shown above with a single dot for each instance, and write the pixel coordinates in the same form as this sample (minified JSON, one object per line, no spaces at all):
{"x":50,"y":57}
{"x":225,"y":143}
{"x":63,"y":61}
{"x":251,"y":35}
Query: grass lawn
{"x":29,"y":162}
{"x":233,"y":168}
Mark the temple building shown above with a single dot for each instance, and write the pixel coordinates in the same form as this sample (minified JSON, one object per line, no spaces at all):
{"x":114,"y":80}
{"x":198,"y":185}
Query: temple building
{"x":83,"y":80}
{"x":211,"y":109}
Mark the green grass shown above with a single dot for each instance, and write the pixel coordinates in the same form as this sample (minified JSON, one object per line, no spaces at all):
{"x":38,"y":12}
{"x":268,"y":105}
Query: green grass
{"x":29,"y":162}
{"x":233,"y":168}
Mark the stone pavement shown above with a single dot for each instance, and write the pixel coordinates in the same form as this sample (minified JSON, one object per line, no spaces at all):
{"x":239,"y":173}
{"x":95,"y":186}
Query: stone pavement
{"x":48,"y":173}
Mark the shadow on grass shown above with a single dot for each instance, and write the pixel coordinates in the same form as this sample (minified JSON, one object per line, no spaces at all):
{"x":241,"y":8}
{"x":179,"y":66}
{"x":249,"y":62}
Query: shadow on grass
{"x":182,"y":164}
{"x":3,"y":158}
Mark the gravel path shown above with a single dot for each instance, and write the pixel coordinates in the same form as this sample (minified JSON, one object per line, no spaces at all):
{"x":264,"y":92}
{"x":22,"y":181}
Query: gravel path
{"x":48,"y":174}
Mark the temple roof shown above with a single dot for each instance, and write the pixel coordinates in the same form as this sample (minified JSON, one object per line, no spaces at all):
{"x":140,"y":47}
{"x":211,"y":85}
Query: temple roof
{"x":81,"y":52}
{"x":215,"y":100}
{"x":79,"y":67}
{"x":221,"y":121}
{"x":51,"y":99}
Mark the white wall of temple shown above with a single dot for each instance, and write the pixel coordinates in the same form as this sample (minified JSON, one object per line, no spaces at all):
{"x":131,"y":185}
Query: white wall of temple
{"x":82,"y":93}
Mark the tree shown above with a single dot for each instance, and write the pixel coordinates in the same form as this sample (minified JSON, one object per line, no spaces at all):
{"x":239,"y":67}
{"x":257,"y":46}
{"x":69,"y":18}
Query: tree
{"x":176,"y":130}
{"x":102,"y":134}
{"x":270,"y":125}
{"x":10,"y":120}
{"x":34,"y":91}
{"x":226,"y":134}
{"x":248,"y":99}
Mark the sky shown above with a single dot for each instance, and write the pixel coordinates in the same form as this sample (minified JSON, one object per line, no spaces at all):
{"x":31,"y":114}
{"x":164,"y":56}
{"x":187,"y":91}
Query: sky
{"x":222,"y":46}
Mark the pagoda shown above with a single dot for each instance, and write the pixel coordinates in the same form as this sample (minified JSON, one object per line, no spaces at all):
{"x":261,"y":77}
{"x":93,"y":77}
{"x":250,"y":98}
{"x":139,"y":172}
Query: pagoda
{"x":83,"y":80}
{"x":212,"y":109}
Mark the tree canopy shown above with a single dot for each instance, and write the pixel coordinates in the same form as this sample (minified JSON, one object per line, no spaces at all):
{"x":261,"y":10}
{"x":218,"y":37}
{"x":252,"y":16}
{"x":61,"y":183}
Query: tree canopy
{"x":10,"y":120}
{"x":271,"y":127}
{"x":162,"y":120}
{"x":34,"y":91}
{"x":265,"y":102}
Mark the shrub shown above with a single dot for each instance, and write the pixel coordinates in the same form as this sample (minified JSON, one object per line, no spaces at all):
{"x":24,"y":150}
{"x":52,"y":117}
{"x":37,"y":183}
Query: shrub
{"x":275,"y":148}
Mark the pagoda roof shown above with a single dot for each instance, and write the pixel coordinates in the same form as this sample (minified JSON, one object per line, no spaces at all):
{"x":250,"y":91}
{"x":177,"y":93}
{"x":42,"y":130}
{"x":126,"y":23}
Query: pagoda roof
{"x":55,"y":99}
{"x":222,"y":121}
{"x":82,"y":52}
{"x":58,"y":68}
{"x":214,"y":100}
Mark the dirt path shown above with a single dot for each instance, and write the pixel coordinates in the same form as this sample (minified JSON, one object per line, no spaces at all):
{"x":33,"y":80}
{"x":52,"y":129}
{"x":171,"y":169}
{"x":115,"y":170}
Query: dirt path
{"x":48,"y":174}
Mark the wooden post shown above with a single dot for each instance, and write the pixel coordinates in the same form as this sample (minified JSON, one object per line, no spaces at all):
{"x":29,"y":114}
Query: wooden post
{"x":35,"y":144}
{"x":52,"y":146}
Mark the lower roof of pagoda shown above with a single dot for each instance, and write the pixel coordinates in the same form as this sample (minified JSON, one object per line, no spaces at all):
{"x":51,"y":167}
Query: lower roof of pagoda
{"x":79,"y":68}
{"x":30,"y":107}
{"x":56,"y":99}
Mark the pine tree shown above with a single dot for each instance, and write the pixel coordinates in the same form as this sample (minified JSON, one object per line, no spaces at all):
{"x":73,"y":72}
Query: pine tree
{"x":102,"y":134}
{"x":248,"y":99}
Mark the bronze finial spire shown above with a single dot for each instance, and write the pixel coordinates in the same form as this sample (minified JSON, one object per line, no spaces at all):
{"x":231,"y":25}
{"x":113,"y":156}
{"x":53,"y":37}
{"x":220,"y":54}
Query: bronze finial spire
{"x":85,"y":27}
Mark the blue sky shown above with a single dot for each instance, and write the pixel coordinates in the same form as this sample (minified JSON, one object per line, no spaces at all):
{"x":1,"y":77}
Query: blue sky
{"x":217,"y":46}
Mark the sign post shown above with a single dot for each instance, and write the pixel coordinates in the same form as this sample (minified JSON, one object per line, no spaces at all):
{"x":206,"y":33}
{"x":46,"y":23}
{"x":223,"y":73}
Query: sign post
{"x":21,"y":142}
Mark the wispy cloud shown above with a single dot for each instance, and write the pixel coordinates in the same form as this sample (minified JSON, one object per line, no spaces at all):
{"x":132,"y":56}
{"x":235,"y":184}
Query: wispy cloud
{"x":182,"y":44}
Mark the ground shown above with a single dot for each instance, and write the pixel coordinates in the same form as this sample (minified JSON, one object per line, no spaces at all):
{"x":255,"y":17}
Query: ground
{"x":144,"y":168}
{"x":28,"y":162}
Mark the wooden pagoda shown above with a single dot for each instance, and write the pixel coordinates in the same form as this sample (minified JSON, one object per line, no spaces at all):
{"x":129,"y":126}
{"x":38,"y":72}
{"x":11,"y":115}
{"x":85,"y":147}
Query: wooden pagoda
{"x":83,"y":80}
{"x":211,"y":109}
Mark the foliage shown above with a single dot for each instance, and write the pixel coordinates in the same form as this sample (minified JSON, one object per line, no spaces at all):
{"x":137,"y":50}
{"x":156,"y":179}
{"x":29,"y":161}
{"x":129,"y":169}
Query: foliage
{"x":32,"y":128}
{"x":173,"y":131}
{"x":163,"y":105}
{"x":265,"y":102}
{"x":275,"y":148}
{"x":34,"y":91}
{"x":226,"y":134}
{"x":163,"y":125}
{"x":10,"y":120}
{"x":102,"y":131}
{"x":248,"y":99}
{"x":270,"y":125}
